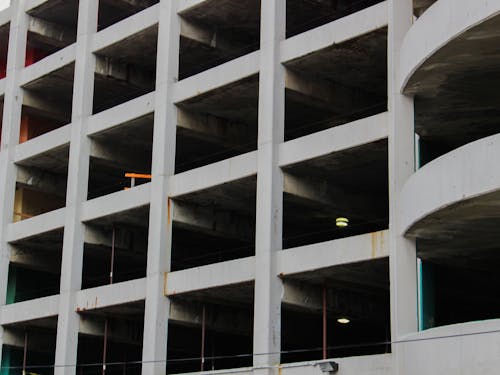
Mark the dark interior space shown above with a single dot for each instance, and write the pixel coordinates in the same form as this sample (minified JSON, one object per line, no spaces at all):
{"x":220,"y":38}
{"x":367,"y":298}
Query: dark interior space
{"x":113,"y":336}
{"x":119,"y":153}
{"x":52,"y":26}
{"x":221,"y":318}
{"x":35,"y":267}
{"x":303,"y":15}
{"x":35,"y":341}
{"x":113,"y":11}
{"x":217,"y":125}
{"x":356,"y":298}
{"x":459,"y":260}
{"x":47,"y":103}
{"x":350,"y":184}
{"x":453,"y":91}
{"x":336,"y":85}
{"x":116,"y":248}
{"x":4,"y":48}
{"x":217,"y":31}
{"x":214,"y":225}
{"x":125,"y":70}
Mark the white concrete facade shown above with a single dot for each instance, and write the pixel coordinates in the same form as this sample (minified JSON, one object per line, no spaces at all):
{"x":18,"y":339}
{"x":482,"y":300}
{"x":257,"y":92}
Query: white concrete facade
{"x":462,"y":174}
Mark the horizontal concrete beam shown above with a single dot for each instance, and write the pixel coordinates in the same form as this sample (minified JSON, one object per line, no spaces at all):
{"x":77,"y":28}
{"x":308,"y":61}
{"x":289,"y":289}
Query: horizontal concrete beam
{"x":38,"y":308}
{"x":51,"y":141}
{"x":356,"y":133}
{"x":336,"y":32}
{"x":116,"y":202}
{"x":219,"y":76}
{"x":110,"y":295}
{"x":125,"y":28}
{"x":213,"y":222}
{"x":210,"y":276}
{"x":51,"y":63}
{"x":353,"y":249}
{"x":121,"y":113}
{"x":228,"y":170}
{"x":39,"y":224}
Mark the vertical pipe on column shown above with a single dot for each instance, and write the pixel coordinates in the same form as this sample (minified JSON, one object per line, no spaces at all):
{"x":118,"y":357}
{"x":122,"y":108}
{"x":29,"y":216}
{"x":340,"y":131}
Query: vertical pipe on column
{"x":203,"y":323}
{"x":325,"y":323}
{"x":25,"y":353}
{"x":112,"y":256}
{"x":105,"y":346}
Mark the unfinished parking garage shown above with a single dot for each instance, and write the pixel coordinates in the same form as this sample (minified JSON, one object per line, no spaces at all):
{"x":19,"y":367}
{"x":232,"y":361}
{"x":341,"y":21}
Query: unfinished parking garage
{"x":248,"y":187}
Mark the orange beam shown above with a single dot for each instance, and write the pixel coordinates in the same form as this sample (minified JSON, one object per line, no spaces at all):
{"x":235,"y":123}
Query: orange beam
{"x":138,"y":175}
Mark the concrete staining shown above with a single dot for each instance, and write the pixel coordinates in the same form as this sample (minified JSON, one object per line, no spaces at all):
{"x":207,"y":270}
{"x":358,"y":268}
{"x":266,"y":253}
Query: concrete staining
{"x":261,"y":123}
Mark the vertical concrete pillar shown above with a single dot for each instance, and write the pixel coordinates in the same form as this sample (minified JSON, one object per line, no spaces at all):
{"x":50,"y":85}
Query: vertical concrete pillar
{"x":10,"y":136}
{"x":157,"y":307}
{"x":76,"y":194}
{"x":403,"y":262}
{"x":268,"y":236}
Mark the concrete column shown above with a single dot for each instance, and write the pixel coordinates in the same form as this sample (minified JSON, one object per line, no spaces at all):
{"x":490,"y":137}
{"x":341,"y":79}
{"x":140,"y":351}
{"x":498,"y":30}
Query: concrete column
{"x":157,"y":308}
{"x":76,"y":194}
{"x":268,"y":287}
{"x":10,"y":137}
{"x":403,"y":267}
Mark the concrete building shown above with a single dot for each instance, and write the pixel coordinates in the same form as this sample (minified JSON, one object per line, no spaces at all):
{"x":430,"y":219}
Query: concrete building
{"x":250,"y":187}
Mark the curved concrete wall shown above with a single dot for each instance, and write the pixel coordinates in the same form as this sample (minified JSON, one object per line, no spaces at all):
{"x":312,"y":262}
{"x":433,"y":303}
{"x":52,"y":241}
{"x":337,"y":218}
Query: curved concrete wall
{"x":464,"y":173}
{"x":440,"y":24}
{"x":469,"y":348}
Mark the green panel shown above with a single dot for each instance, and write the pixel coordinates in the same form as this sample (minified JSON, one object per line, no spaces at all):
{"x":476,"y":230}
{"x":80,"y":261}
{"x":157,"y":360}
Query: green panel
{"x":11,"y":285}
{"x":428,"y":296}
{"x":5,"y":360}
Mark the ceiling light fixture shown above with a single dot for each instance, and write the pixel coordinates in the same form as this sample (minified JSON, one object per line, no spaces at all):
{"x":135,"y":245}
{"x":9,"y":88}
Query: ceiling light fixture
{"x":342,"y":222}
{"x":343,"y":320}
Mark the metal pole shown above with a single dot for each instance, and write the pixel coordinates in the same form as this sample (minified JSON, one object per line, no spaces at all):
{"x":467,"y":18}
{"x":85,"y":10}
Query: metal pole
{"x":203,"y":322}
{"x":325,"y":323}
{"x":25,"y":354}
{"x":112,"y":256}
{"x":105,"y":346}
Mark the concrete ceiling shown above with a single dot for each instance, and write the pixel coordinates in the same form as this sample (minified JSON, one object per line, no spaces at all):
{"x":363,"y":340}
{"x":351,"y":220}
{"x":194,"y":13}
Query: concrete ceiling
{"x":62,"y":12}
{"x":228,"y":295}
{"x":49,"y":241}
{"x":135,"y":135}
{"x":53,"y":161}
{"x":465,"y":234}
{"x":455,"y":96}
{"x":112,"y":11}
{"x":367,"y":277}
{"x":357,"y":63}
{"x":231,"y":196}
{"x":302,"y":15}
{"x":237,"y":101}
{"x":138,"y":217}
{"x":238,"y":18}
{"x":138,"y":49}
